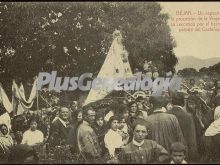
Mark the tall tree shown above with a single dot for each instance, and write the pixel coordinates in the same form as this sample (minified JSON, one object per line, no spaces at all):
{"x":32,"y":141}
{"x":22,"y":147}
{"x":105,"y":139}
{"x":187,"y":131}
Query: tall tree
{"x":74,"y":38}
{"x":188,"y":72}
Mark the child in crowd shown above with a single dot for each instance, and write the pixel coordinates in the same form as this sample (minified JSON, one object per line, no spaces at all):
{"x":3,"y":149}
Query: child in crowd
{"x":123,"y":130}
{"x":178,"y":153}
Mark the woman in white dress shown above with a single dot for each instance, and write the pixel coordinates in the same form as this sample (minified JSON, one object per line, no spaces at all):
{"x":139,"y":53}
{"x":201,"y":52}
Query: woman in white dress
{"x":113,"y":139}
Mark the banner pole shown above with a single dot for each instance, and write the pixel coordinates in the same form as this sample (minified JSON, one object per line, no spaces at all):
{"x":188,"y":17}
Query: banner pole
{"x":38,"y":100}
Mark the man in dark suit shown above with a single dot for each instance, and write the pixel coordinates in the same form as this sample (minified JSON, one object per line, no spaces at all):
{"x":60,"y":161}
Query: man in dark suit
{"x":142,"y":150}
{"x":186,"y":123}
{"x":60,"y":128}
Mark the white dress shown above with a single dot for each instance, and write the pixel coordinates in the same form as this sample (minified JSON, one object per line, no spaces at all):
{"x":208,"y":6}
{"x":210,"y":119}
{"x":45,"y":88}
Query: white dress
{"x":32,"y":137}
{"x":112,"y":141}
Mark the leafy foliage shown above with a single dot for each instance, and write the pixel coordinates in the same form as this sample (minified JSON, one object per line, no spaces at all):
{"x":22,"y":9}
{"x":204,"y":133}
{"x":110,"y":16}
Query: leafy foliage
{"x":74,"y":38}
{"x":187,"y":72}
{"x":212,"y":72}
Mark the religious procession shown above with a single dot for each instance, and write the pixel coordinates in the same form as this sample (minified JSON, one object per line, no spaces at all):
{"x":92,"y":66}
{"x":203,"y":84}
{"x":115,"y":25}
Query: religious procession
{"x":174,"y":119}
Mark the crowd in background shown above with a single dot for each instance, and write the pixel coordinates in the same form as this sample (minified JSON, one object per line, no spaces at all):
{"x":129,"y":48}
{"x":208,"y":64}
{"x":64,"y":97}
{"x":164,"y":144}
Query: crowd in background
{"x":173,"y":128}
{"x":177,"y":127}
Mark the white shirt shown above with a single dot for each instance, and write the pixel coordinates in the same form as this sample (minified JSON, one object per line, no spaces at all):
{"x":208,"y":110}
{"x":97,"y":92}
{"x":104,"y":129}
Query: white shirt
{"x":137,"y":143}
{"x":112,"y":141}
{"x":32,"y":137}
{"x":161,"y":110}
{"x":125,"y":131}
{"x":145,"y":115}
{"x":125,"y":128}
{"x":183,"y":162}
{"x":62,"y":121}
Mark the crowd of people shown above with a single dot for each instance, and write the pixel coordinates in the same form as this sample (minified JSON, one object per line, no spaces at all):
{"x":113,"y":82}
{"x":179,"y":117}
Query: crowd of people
{"x":181,"y":127}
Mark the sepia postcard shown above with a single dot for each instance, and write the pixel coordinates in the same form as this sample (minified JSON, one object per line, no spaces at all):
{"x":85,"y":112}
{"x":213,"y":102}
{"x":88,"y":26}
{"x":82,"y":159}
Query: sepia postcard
{"x":109,"y":82}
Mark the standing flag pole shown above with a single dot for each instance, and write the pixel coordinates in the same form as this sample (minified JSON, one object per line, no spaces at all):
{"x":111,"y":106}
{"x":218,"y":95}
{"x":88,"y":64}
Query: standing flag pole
{"x":37,"y":97}
{"x":37,"y":101}
{"x":13,"y":101}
